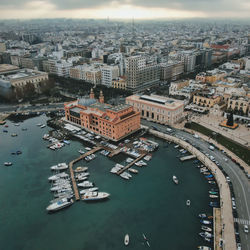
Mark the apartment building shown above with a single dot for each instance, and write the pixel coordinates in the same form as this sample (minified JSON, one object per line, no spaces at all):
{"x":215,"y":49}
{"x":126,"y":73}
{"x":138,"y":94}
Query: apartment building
{"x":109,"y":72}
{"x":206,"y":99}
{"x":119,"y":83}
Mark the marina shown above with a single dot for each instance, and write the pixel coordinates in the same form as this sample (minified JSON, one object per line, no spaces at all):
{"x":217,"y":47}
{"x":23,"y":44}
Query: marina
{"x":150,"y":180}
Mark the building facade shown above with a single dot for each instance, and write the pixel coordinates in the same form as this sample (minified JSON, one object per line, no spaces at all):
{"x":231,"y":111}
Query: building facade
{"x":206,"y":100}
{"x":119,"y":83}
{"x":156,"y":108}
{"x":241,"y":104}
{"x":111,"y":122}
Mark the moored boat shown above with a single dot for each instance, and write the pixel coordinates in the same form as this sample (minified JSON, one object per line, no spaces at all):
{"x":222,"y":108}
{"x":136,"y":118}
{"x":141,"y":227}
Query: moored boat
{"x":84,"y":191}
{"x":206,"y":222}
{"x":93,"y":196}
{"x":204,"y":248}
{"x":132,"y":170}
{"x":208,"y":229}
{"x":213,"y":196}
{"x":86,"y":184}
{"x":80,"y":169}
{"x":188,"y":202}
{"x":7,"y":163}
{"x":64,"y":202}
{"x":59,"y":166}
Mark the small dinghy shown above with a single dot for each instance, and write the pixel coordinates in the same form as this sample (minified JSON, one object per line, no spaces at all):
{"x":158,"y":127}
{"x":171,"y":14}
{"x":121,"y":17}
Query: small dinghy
{"x":126,"y":240}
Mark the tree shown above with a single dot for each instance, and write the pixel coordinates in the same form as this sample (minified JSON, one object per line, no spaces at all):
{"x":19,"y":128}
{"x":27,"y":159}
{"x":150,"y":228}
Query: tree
{"x":230,"y":120}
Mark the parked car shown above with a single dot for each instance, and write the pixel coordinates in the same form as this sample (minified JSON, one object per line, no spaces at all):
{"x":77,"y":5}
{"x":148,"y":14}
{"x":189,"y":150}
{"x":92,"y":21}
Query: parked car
{"x":246,"y":229}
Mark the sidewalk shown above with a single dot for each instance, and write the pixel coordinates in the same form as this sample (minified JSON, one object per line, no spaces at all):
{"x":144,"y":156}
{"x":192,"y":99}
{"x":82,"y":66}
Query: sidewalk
{"x":227,"y":222}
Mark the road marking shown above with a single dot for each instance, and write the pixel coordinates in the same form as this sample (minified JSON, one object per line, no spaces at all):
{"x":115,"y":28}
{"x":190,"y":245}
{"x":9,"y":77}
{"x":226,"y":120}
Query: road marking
{"x":242,"y":221}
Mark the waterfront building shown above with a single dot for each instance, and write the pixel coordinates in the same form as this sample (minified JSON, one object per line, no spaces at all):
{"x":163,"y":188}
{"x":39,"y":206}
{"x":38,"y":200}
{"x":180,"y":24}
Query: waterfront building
{"x":111,"y":122}
{"x":240,"y":104}
{"x":156,"y":108}
{"x":109,"y":72}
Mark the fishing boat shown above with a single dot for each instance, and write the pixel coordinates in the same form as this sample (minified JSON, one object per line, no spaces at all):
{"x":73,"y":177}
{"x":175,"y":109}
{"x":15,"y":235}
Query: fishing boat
{"x":205,"y":222}
{"x":188,"y":202}
{"x":93,"y":196}
{"x":80,"y":169}
{"x":126,"y":240}
{"x":8,"y":163}
{"x":13,"y":135}
{"x":59,"y":205}
{"x":208,"y":229}
{"x":132,"y":170}
{"x":175,"y":180}
{"x":213,"y":192}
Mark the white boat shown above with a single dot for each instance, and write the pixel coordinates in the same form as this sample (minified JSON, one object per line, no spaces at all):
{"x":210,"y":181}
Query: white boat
{"x":147,"y":158}
{"x":88,"y":149}
{"x":175,"y":179}
{"x":140,"y":163}
{"x":8,"y":163}
{"x":58,"y":176}
{"x":176,"y":146}
{"x":60,"y":166}
{"x":126,"y":175}
{"x":86,"y":184}
{"x":208,"y":229}
{"x":82,"y":178}
{"x":84,"y":191}
{"x":61,"y":187}
{"x":204,"y":248}
{"x":132,"y":170}
{"x":46,"y":136}
{"x":92,"y":196}
{"x":81,"y":151}
{"x":39,"y":125}
{"x":79,"y":176}
{"x":59,"y":205}
{"x":43,"y":126}
{"x":80,"y":169}
{"x":114,"y":170}
{"x":188,"y":202}
{"x":129,"y":160}
{"x":126,"y":240}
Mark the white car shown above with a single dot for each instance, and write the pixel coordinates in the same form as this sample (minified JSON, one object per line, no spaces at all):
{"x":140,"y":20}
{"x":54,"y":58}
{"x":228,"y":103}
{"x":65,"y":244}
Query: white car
{"x":228,"y":179}
{"x":246,"y":229}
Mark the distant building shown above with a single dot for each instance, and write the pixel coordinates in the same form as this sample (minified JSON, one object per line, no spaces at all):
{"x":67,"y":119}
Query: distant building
{"x":140,"y":75}
{"x":111,"y":122}
{"x":109,"y":72}
{"x":206,"y":99}
{"x":240,"y":104}
{"x":156,"y":108}
{"x":171,"y":70}
{"x":188,"y":57}
{"x":119,"y":83}
{"x":2,"y":47}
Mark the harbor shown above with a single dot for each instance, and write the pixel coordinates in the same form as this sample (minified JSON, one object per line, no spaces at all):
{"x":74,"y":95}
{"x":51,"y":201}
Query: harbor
{"x":154,"y":179}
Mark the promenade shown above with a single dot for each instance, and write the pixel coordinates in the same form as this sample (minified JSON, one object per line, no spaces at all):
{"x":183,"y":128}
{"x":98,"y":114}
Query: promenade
{"x":227,"y":222}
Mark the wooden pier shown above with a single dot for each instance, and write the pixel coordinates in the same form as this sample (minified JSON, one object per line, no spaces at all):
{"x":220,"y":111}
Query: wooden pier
{"x":130,"y":164}
{"x":189,"y":157}
{"x":77,"y":196}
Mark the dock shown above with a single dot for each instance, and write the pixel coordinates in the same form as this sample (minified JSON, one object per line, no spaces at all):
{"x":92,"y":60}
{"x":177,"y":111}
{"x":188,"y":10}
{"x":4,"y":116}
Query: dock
{"x":114,"y":152}
{"x":130,"y":164}
{"x":217,"y":227}
{"x":76,"y":192}
{"x":189,"y":157}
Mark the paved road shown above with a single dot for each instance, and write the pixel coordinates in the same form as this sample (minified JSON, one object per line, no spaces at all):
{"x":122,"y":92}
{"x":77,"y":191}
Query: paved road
{"x":239,"y":180}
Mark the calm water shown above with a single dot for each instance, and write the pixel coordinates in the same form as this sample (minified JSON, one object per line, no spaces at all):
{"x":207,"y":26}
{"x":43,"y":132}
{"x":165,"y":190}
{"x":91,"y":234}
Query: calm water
{"x":149,"y":203}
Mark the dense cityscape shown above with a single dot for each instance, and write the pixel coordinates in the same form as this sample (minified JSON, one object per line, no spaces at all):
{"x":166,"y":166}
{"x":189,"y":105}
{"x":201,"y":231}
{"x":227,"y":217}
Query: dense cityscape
{"x":165,"y":105}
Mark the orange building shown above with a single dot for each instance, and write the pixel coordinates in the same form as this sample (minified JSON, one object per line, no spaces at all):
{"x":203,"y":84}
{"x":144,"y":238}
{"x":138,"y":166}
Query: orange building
{"x":111,"y":122}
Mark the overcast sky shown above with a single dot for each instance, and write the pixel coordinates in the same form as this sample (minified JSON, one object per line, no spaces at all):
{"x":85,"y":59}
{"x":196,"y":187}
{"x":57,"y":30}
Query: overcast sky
{"x":138,"y":9}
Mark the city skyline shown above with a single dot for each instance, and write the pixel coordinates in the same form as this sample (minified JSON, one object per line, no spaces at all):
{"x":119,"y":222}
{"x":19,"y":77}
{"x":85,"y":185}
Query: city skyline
{"x":124,"y":9}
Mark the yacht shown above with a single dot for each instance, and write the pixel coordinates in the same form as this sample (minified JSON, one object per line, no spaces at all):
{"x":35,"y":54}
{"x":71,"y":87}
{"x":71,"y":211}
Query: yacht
{"x":81,"y":175}
{"x":202,"y":215}
{"x":213,"y":196}
{"x":88,"y":149}
{"x":64,"y":202}
{"x":60,"y":166}
{"x":132,"y":170}
{"x":67,"y":196}
{"x":206,"y":222}
{"x":92,"y":196}
{"x":208,"y":229}
{"x":86,"y":184}
{"x":126,"y":175}
{"x":175,"y":179}
{"x":58,"y":176}
{"x":81,"y":151}
{"x":141,"y":163}
{"x":84,"y":191}
{"x":126,"y":240}
{"x":129,"y":160}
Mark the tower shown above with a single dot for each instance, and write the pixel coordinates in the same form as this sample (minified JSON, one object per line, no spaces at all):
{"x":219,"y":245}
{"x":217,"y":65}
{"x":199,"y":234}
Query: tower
{"x":101,"y":97}
{"x":92,"y":95}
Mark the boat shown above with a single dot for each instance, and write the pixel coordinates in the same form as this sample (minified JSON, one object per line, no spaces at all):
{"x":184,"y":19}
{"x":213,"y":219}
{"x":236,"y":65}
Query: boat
{"x":129,"y":160}
{"x":126,"y":240}
{"x":213,"y":196}
{"x":43,"y":126}
{"x":86,"y":184}
{"x":88,"y":149}
{"x":144,"y":237}
{"x":209,"y":176}
{"x":68,"y":196}
{"x":202,"y":215}
{"x":39,"y":125}
{"x":66,"y":142}
{"x":175,"y":179}
{"x":176,"y":146}
{"x":147,"y":157}
{"x":80,"y":169}
{"x":188,"y":202}
{"x":13,"y":135}
{"x":8,"y":163}
{"x":208,"y":229}
{"x":81,"y":151}
{"x":132,"y":170}
{"x":207,"y":239}
{"x":58,"y":176}
{"x":18,"y":152}
{"x":205,"y":222}
{"x":212,"y":182}
{"x":204,"y":248}
{"x":64,"y":202}
{"x":213,"y":192}
{"x":17,"y":124}
{"x":5,"y":131}
{"x":213,"y":204}
{"x":125,"y":175}
{"x":93,"y":196}
{"x":84,"y":191}
{"x":60,"y":166}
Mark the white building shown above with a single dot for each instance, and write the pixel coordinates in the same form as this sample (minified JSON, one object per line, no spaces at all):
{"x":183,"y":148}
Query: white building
{"x":109,"y":73}
{"x":189,"y":58}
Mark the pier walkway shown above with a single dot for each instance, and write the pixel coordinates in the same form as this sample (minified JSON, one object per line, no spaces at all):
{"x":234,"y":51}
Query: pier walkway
{"x":76,"y":192}
{"x":130,"y":164}
{"x":217,"y":228}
